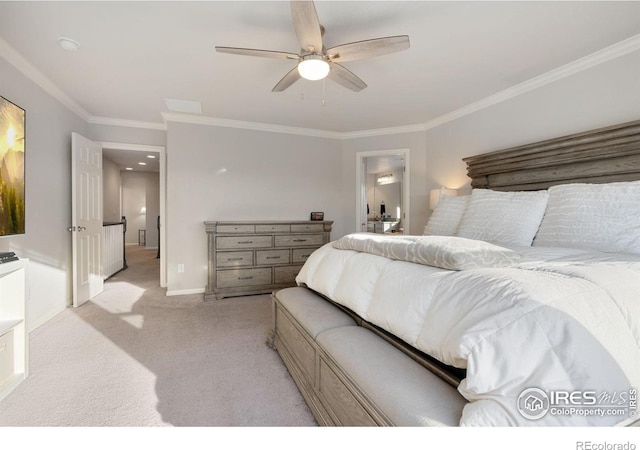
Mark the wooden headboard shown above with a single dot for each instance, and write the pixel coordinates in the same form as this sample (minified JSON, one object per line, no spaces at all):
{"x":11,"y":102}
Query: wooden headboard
{"x":599,"y":156}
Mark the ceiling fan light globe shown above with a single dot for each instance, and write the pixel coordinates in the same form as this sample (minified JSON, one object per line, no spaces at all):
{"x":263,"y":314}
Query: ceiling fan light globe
{"x":313,"y":67}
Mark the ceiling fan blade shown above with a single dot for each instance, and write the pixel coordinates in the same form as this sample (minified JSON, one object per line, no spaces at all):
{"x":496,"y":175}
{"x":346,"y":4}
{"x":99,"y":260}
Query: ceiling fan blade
{"x":345,"y":77}
{"x":368,"y":48}
{"x":254,"y":52}
{"x":307,"y":26}
{"x":287,"y":80}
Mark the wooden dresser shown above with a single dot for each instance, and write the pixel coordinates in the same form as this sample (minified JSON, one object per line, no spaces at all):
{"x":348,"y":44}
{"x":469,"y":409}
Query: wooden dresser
{"x":259,"y":257}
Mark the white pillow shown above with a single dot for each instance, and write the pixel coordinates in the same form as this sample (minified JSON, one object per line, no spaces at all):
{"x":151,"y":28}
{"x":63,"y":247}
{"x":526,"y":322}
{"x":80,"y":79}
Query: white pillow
{"x":503,"y":218}
{"x":447,"y":216}
{"x":604,"y":217}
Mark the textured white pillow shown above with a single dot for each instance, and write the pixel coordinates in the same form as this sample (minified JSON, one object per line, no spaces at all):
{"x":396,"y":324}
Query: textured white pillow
{"x":604,"y":217}
{"x":447,"y":216}
{"x":503,"y":218}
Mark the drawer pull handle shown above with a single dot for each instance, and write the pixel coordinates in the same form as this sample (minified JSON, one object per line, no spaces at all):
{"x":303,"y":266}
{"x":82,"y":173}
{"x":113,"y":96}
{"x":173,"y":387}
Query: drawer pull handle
{"x":299,"y":240}
{"x":235,"y":259}
{"x":304,"y":256}
{"x":273,"y":257}
{"x":245,"y":278}
{"x":245,"y":242}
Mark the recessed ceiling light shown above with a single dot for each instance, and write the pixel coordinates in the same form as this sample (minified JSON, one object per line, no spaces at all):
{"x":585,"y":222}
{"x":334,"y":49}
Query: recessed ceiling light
{"x":68,"y":44}
{"x":151,"y":156}
{"x":129,"y":168}
{"x":142,"y":164}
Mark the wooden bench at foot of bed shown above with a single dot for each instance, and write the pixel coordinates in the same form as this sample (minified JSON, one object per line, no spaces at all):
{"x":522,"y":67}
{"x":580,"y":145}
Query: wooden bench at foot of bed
{"x":349,"y":375}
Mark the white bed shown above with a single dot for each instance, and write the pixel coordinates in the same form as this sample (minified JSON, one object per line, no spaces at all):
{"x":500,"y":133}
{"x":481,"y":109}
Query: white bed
{"x":559,"y":320}
{"x":528,"y":289}
{"x":533,"y":290}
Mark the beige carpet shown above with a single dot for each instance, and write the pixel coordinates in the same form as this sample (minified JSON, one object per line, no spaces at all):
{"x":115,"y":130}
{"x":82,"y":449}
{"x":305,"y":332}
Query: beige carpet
{"x":134,"y":357}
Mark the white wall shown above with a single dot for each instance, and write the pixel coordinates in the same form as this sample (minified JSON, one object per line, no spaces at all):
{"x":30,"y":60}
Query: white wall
{"x":46,"y":243}
{"x":217,"y":173}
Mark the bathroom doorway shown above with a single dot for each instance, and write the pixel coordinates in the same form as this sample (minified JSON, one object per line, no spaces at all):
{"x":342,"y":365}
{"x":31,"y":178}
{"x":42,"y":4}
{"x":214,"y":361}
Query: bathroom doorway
{"x":383,"y":191}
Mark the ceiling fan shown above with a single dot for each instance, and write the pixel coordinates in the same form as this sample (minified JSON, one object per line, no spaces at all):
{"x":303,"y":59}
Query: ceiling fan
{"x":315,"y":62}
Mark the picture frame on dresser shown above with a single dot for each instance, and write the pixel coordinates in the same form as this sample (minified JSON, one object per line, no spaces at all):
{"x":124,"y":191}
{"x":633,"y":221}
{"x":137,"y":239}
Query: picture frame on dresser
{"x":317,"y":216}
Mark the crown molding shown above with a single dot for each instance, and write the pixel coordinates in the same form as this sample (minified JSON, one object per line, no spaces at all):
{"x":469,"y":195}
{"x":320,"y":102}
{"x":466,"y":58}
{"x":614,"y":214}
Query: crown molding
{"x":383,"y":131}
{"x":97,"y":120}
{"x":601,"y":56}
{"x":614,"y":51}
{"x":29,"y":70}
{"x":256,"y":126}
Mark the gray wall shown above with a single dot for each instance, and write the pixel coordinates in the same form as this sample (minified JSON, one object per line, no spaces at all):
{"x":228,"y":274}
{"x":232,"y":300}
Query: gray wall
{"x":46,"y":243}
{"x":217,"y":173}
{"x":152,"y":199}
{"x":134,"y":193}
{"x":110,"y":191}
{"x":141,"y":189}
{"x":604,"y":95}
{"x":416,"y":144}
{"x":126,"y":135}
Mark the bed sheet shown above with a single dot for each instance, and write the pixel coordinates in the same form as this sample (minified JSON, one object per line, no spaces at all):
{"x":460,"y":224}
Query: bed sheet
{"x":559,"y":320}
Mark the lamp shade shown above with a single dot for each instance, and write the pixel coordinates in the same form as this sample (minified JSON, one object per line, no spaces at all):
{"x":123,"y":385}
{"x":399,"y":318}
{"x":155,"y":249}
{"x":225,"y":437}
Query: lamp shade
{"x":435,"y":194}
{"x":313,"y":67}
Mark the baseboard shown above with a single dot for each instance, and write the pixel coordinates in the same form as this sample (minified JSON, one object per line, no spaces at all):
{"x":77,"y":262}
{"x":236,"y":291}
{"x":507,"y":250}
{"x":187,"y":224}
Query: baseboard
{"x":185,"y":292}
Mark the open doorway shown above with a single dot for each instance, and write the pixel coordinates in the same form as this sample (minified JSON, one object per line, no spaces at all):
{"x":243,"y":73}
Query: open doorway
{"x":383,"y":191}
{"x":134,"y":194}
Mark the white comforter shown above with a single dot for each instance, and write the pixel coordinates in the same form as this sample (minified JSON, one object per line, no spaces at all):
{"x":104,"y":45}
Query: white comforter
{"x":558,"y":320}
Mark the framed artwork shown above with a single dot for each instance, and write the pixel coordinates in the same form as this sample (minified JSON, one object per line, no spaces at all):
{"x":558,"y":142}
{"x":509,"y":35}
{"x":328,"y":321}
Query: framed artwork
{"x":317,"y":216}
{"x":12,"y":168}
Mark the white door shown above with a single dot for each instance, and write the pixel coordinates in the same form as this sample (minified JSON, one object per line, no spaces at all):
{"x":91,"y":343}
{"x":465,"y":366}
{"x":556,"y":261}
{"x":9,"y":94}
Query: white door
{"x":86,"y":216}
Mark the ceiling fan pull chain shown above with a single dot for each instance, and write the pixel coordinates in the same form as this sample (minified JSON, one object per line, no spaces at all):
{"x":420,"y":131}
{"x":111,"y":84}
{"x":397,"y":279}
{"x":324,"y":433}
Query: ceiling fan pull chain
{"x":323,"y":102}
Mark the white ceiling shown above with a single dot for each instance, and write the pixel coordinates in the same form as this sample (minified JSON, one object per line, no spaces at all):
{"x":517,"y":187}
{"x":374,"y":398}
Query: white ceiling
{"x":134,"y":55}
{"x":131,"y":160}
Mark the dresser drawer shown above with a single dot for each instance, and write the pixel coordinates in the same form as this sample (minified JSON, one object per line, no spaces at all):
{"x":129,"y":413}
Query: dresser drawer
{"x":300,"y":255}
{"x":273,"y":228}
{"x":271,"y":257}
{"x":299,"y":240}
{"x":227,"y":242}
{"x":254,"y":257}
{"x":286,"y":274}
{"x":234,"y":259}
{"x":302,"y":227}
{"x":235,"y":229}
{"x":243,"y":277}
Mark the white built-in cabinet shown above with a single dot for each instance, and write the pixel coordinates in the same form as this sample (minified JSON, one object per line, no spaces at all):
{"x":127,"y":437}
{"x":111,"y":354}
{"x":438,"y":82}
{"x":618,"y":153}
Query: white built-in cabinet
{"x":14,"y":345}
